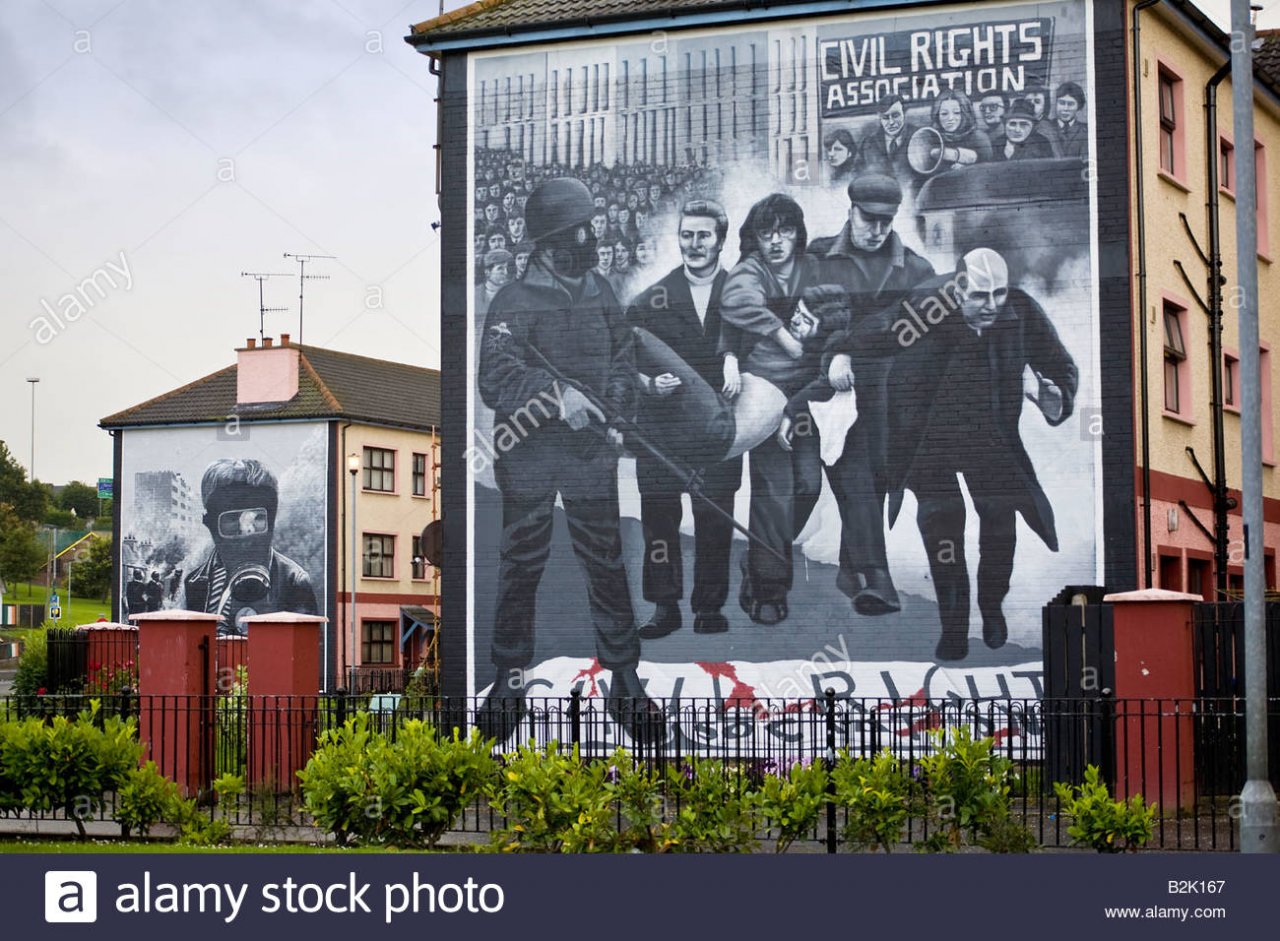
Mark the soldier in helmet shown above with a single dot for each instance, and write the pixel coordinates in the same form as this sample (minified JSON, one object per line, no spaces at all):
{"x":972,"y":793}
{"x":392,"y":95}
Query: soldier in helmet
{"x":563,"y":315}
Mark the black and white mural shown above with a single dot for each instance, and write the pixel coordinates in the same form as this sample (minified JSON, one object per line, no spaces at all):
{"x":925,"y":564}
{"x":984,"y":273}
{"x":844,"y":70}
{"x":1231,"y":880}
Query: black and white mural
{"x":783,"y":341}
{"x":227,"y":519}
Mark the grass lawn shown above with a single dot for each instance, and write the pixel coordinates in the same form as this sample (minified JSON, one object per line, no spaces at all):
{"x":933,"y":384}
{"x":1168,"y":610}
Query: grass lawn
{"x":79,"y":611}
{"x":73,"y":847}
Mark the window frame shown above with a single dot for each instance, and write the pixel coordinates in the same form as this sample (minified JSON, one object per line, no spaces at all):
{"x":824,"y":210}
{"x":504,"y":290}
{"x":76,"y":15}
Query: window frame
{"x":367,"y":470}
{"x":417,"y":563}
{"x":1176,"y":360}
{"x":1226,"y":166}
{"x":387,"y":644}
{"x":1231,"y":380}
{"x":418,"y":478}
{"x":1260,"y":181}
{"x":387,"y":560}
{"x":1171,"y":126}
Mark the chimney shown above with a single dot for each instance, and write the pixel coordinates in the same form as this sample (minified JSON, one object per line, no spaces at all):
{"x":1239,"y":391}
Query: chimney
{"x":253,"y":344}
{"x":284,"y":339}
{"x":267,"y":373}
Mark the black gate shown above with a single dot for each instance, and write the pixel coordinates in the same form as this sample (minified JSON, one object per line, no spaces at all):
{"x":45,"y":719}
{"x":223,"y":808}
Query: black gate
{"x":67,"y":664}
{"x":1079,"y":685}
{"x":1218,"y":636}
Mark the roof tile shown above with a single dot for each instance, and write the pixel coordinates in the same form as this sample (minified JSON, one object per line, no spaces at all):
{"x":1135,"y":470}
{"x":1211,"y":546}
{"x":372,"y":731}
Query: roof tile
{"x":330,"y":385}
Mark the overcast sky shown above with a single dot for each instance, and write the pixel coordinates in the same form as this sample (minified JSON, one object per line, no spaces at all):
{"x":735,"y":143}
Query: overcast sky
{"x":165,"y":146}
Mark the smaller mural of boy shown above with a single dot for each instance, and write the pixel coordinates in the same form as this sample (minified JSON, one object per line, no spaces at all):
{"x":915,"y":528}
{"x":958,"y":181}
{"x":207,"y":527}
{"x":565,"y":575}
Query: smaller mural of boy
{"x":243,"y":574}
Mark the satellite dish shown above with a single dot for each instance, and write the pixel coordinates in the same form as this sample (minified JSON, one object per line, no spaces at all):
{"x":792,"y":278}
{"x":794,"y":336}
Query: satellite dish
{"x":925,"y":150}
{"x":431,"y":542}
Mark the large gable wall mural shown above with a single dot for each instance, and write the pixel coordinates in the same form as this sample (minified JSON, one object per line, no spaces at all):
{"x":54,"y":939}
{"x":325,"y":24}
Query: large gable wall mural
{"x":821,"y":430}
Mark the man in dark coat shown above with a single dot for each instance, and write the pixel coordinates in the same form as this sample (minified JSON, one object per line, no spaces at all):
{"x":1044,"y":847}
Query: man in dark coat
{"x":959,"y":345}
{"x":1021,"y":140}
{"x":683,"y":310}
{"x":1066,"y":130}
{"x":554,"y":439}
{"x":867,"y":259}
{"x":133,"y":594}
{"x":882,"y":147}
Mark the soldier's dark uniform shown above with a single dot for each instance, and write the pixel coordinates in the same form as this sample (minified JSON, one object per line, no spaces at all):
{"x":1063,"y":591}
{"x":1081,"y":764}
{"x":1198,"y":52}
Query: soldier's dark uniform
{"x":586,"y":338}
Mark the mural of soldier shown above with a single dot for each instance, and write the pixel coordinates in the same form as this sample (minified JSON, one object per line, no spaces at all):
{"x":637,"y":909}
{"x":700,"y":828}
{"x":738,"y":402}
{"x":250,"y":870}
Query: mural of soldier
{"x":558,"y":336}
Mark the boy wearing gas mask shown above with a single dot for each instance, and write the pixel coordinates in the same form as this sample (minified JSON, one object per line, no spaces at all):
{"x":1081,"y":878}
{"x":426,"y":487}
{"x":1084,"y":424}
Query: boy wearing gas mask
{"x":243,"y":574}
{"x":552,"y":439}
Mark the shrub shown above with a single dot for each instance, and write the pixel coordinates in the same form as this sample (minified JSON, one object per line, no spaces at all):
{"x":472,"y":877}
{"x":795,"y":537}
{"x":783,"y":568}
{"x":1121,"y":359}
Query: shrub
{"x":423,"y":782}
{"x":553,"y":803}
{"x":31,"y":677}
{"x":875,"y":794}
{"x":638,"y":793}
{"x":967,"y":787}
{"x":405,"y":792}
{"x":717,"y":809}
{"x":66,"y":764}
{"x":1109,"y":826}
{"x":790,"y":804}
{"x":193,"y":826}
{"x":335,"y":782}
{"x":144,"y":799}
{"x":228,"y":786}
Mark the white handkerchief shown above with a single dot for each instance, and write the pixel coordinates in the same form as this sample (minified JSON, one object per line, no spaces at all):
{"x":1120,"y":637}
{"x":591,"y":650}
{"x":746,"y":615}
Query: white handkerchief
{"x":834,"y":418}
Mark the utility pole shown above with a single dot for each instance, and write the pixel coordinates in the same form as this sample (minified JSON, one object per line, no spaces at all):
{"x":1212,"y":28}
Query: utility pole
{"x":1258,"y":800}
{"x":303,"y":278}
{"x":31,"y":467}
{"x":263,"y":309}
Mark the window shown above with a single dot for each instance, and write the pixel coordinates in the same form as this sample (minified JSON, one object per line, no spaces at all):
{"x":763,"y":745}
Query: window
{"x":1260,"y":171}
{"x":419,"y":563}
{"x":379,"y":556}
{"x":1199,"y":581}
{"x":1226,"y":166}
{"x":1170,"y":129}
{"x":419,"y":475}
{"x":379,"y":469}
{"x":1230,"y":381}
{"x":378,"y":642}
{"x":1264,"y":382}
{"x":1175,"y":361}
{"x":1170,"y":572}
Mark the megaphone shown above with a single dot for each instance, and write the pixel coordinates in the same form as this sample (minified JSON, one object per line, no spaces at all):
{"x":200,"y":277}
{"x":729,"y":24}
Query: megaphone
{"x":928,"y":153}
{"x":925,"y":151}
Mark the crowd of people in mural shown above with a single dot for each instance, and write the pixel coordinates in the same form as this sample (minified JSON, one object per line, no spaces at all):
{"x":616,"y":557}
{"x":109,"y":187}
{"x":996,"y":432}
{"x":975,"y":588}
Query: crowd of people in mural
{"x":792,"y":357}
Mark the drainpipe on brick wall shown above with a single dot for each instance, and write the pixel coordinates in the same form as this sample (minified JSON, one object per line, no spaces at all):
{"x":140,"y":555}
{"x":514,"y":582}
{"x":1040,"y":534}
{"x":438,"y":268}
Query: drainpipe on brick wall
{"x":1222,"y":502}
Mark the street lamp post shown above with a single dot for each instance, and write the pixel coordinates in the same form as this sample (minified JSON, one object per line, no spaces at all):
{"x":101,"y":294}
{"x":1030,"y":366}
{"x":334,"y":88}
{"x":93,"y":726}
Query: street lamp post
{"x":31,"y":467}
{"x":353,"y":467}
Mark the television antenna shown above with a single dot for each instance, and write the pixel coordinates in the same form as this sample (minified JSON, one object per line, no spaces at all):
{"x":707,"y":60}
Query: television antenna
{"x":263,"y":309}
{"x":303,"y":278}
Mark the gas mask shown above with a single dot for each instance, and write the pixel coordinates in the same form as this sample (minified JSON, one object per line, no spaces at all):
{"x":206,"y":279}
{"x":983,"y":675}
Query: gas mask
{"x":573,"y":251}
{"x":241,"y":526}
